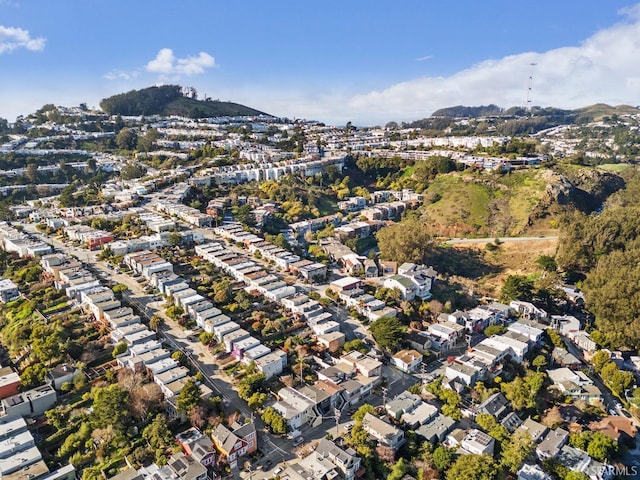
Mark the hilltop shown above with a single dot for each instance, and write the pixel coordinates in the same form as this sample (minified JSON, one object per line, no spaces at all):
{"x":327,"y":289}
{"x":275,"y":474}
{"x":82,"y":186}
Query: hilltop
{"x":171,"y":100}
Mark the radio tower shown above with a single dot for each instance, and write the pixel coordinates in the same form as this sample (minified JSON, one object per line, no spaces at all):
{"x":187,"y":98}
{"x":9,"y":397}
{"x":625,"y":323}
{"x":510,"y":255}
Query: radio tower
{"x":527,"y":106}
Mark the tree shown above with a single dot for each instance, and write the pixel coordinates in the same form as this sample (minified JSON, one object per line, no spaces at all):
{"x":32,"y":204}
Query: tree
{"x":492,"y":330}
{"x":146,"y":141}
{"x":612,"y":294}
{"x":362,"y":410}
{"x":174,"y":239}
{"x":189,"y":396}
{"x":156,"y":323}
{"x":600,"y":359}
{"x":119,"y":349}
{"x":174,"y":312}
{"x":547,"y":263}
{"x":110,"y":406}
{"x":472,"y":467}
{"x":522,"y":392}
{"x":126,"y":139}
{"x":442,"y":457}
{"x":406,"y":241}
{"x":515,"y":452}
{"x":33,"y":375}
{"x":602,"y":447}
{"x":388,"y":332}
{"x":399,"y":470}
{"x":157,"y":434}
{"x":32,"y":172}
{"x":516,"y":287}
{"x":573,"y":475}
{"x":539,"y":362}
{"x":132,"y":170}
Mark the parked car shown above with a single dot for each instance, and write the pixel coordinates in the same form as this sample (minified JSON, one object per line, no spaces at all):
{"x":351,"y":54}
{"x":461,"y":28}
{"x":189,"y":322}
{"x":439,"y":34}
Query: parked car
{"x":297,"y":441}
{"x":277,"y":471}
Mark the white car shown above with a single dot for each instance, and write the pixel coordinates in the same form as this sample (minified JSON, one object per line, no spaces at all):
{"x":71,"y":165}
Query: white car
{"x":297,"y":441}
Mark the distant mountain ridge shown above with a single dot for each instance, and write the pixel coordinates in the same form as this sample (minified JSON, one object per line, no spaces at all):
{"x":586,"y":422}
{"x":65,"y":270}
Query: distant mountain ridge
{"x":592,"y":112}
{"x":170,"y":100}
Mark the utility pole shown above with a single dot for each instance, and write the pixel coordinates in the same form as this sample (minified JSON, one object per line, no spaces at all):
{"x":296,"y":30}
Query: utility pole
{"x":423,"y":373}
{"x":384,"y":396}
{"x":337,"y":413}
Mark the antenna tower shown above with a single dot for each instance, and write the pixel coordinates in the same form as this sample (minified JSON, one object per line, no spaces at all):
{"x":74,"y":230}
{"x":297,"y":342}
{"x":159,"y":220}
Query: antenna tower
{"x":527,"y":105}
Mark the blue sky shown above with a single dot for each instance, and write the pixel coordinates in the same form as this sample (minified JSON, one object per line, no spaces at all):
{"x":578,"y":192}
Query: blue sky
{"x":368,"y":62}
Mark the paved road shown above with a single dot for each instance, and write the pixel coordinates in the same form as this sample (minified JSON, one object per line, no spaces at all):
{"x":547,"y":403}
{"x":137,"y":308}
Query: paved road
{"x":460,"y":241}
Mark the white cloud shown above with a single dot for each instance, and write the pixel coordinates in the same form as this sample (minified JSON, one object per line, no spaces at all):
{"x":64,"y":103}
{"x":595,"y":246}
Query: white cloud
{"x":12,"y":38}
{"x":167,"y":64}
{"x":603,"y":68}
{"x":120,"y":75}
{"x":422,"y":59}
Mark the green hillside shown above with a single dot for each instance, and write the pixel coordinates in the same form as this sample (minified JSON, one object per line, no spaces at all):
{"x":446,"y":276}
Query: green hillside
{"x":170,"y":100}
{"x":526,"y":202}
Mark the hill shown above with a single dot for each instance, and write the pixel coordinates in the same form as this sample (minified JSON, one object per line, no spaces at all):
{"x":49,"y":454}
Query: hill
{"x":170,"y":100}
{"x":460,"y":111}
{"x":525,"y":202}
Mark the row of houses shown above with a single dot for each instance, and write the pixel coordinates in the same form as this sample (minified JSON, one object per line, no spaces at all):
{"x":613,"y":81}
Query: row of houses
{"x":486,"y":359}
{"x":237,"y":341}
{"x":143,"y":350}
{"x":24,"y":245}
{"x":343,"y":384}
{"x":242,"y":173}
{"x":90,"y":237}
{"x":187,"y":214}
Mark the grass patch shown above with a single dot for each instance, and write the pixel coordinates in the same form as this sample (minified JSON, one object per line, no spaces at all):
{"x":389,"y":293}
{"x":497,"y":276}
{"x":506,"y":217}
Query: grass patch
{"x":614,"y":167}
{"x":326,"y":206}
{"x":55,"y":308}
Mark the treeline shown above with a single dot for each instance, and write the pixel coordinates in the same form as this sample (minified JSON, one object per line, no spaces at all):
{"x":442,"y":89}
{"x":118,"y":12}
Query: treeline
{"x":148,"y":101}
{"x":604,"y":249}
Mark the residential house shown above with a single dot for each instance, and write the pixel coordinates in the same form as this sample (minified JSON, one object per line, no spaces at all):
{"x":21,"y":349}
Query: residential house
{"x":478,"y":443}
{"x":621,"y":429}
{"x":384,"y":433}
{"x":575,"y":384}
{"x":347,"y":461}
{"x":551,"y":443}
{"x":417,"y":340}
{"x":235,"y":442}
{"x":436,"y":430}
{"x":8,"y":290}
{"x":496,"y":405}
{"x":9,"y":382}
{"x":407,"y":360}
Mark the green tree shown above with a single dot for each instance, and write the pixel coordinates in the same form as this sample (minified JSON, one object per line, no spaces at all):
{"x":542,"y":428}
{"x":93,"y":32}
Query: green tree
{"x":119,"y":349}
{"x":442,"y":458}
{"x":388,"y":332}
{"x":602,"y":447}
{"x":110,"y":406}
{"x":492,"y":330}
{"x":126,"y":139}
{"x":516,"y":287}
{"x":547,"y":263}
{"x":189,"y":396}
{"x":539,"y":362}
{"x":406,"y":241}
{"x":174,"y":239}
{"x":612,"y":294}
{"x":600,"y":359}
{"x":572,"y":475}
{"x":157,"y":434}
{"x":146,"y":141}
{"x":257,"y":400}
{"x":362,"y":410}
{"x":156,"y":323}
{"x":515,"y":452}
{"x":33,"y":375}
{"x":399,"y":470}
{"x":472,"y":467}
{"x":174,"y":312}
